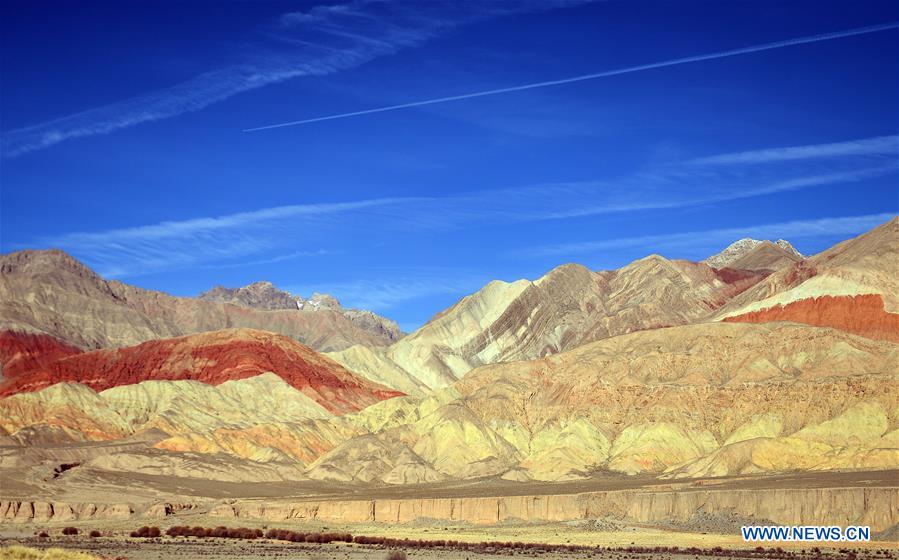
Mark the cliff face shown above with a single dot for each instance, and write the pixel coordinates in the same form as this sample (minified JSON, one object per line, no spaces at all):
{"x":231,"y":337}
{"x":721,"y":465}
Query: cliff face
{"x":40,"y":512}
{"x":874,"y":507}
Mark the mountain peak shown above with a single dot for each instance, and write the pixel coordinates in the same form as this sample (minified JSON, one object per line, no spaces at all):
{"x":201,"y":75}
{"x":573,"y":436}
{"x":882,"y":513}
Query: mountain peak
{"x":44,"y":261}
{"x":787,"y":246}
{"x":755,"y":254}
{"x":319,"y":301}
{"x":258,"y":295}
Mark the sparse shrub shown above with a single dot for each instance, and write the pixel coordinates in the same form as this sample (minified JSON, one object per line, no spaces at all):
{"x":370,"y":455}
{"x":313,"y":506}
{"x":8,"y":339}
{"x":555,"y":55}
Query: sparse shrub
{"x":222,"y":532}
{"x":43,"y":535}
{"x":95,"y":533}
{"x":199,"y":532}
{"x":70,"y":531}
{"x":146,"y":532}
{"x":177,"y":531}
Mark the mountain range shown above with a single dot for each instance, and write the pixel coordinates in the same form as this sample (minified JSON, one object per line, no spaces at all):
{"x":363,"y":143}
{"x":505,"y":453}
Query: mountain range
{"x":50,"y":293}
{"x":264,"y":295}
{"x":757,"y":360}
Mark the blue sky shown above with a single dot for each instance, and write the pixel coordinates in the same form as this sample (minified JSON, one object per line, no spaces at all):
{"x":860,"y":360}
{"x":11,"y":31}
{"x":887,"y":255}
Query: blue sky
{"x":124,"y":140}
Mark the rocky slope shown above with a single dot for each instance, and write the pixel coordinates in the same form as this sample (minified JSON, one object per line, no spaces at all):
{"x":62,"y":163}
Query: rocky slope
{"x":765,"y":257}
{"x":751,"y":281}
{"x":51,"y":293}
{"x":211,"y":358}
{"x":701,"y":400}
{"x":566,"y":308}
{"x":753,"y":254}
{"x":658,"y":401}
{"x":262,"y":418}
{"x":852,"y":286}
{"x":21,"y":352}
{"x":264,"y":295}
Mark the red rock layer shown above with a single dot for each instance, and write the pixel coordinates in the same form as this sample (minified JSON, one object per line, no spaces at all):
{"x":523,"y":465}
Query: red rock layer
{"x":21,"y":352}
{"x":863,"y":315}
{"x":213,"y":358}
{"x":739,"y":277}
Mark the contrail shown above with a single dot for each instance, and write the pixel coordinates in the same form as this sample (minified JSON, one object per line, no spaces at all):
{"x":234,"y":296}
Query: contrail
{"x":607,"y":73}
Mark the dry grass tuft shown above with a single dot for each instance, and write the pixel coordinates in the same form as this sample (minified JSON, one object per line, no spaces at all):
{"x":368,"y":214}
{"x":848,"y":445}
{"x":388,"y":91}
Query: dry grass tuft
{"x":16,"y":552}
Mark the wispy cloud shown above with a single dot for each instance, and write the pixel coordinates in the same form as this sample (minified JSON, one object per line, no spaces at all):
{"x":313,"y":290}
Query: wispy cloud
{"x":200,"y":241}
{"x":596,"y":75}
{"x":323,"y":40}
{"x":876,"y":146}
{"x":717,"y":238}
{"x":273,"y":234}
{"x":281,"y":257}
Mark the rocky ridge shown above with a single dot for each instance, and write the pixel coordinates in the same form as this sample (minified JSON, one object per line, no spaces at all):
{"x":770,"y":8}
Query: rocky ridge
{"x":51,"y":293}
{"x":211,"y":358}
{"x":264,"y":295}
{"x":568,"y":307}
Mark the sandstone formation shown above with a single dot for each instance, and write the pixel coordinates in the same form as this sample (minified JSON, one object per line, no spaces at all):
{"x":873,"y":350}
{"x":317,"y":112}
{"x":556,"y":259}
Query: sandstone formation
{"x":653,"y":400}
{"x":21,"y":352}
{"x":375,"y":364}
{"x":701,"y":400}
{"x":212,"y":358}
{"x":861,"y":314}
{"x":262,"y":419}
{"x":568,"y":307}
{"x":51,"y":293}
{"x":75,"y":410}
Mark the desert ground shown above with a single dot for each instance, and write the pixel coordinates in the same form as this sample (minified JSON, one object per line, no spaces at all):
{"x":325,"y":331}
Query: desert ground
{"x":625,"y":543}
{"x":707,"y":534}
